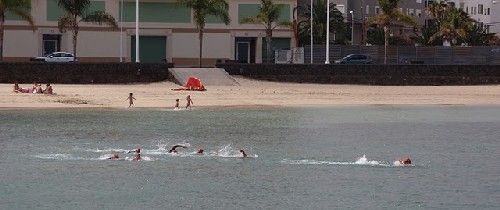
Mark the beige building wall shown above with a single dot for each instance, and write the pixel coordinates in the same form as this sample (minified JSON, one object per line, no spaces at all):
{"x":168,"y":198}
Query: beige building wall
{"x":101,"y":43}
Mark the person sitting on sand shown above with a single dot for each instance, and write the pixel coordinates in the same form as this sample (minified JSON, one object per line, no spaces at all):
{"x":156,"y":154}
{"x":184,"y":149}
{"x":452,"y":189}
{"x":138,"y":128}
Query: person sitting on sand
{"x":200,"y":152}
{"x":16,"y":87}
{"x":243,"y":152}
{"x":38,"y":89}
{"x":48,"y":89}
{"x":176,"y":104}
{"x":405,"y":161}
{"x":173,"y":149}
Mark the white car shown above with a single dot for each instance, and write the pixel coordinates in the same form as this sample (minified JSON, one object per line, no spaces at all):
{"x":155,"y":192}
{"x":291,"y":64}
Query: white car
{"x":57,"y":57}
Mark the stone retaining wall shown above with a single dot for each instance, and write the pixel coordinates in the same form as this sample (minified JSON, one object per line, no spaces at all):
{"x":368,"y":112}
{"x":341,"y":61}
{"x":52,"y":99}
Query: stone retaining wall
{"x":83,"y":73}
{"x":370,"y":74}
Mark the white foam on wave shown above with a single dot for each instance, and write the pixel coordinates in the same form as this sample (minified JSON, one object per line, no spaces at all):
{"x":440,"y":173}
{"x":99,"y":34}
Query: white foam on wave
{"x":143,"y":158}
{"x":360,"y":161}
{"x":107,"y":150}
{"x":58,"y":157}
{"x":227,"y":151}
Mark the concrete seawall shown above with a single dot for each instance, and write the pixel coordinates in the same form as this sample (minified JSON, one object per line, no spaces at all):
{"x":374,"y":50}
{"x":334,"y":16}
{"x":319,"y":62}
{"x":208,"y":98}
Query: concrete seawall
{"x":370,"y":74}
{"x":83,"y":73}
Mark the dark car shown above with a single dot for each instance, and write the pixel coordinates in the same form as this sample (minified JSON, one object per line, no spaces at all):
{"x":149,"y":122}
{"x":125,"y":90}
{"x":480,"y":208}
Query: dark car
{"x":355,"y":59}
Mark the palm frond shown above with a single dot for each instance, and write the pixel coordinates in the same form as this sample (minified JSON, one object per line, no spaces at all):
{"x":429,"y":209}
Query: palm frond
{"x":24,"y":15}
{"x":66,"y":22}
{"x":75,"y":7}
{"x":100,"y":17}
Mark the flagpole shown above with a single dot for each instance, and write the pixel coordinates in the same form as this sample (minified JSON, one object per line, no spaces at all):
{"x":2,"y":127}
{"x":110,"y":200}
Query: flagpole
{"x":327,"y":60}
{"x":137,"y":31}
{"x":312,"y":40}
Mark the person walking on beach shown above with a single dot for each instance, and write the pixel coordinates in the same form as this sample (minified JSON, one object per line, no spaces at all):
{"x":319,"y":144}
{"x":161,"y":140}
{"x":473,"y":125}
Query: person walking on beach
{"x":176,"y":104}
{"x":130,"y":99}
{"x":189,"y":101}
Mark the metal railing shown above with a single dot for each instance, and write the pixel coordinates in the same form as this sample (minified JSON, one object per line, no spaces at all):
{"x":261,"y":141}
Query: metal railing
{"x":411,"y":55}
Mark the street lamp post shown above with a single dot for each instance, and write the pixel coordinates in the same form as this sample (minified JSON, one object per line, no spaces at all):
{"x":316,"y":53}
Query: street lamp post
{"x":137,"y":31}
{"x":312,"y":41}
{"x":327,"y":59}
{"x":352,"y":27}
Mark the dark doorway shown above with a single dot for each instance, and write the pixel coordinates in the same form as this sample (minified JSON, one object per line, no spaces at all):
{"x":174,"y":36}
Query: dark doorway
{"x":51,"y":43}
{"x":245,"y":49}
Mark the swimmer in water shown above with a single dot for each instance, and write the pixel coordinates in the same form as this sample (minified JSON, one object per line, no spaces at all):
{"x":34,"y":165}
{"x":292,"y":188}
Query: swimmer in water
{"x":200,"y":152}
{"x":173,"y":150}
{"x":137,"y":154}
{"x":243,"y":152}
{"x":138,"y":150}
{"x":114,"y":157}
{"x":405,"y":161}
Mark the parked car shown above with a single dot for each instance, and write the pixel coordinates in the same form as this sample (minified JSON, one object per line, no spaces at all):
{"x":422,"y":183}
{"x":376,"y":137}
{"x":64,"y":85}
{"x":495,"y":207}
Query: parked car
{"x":57,"y":57}
{"x":355,"y":59}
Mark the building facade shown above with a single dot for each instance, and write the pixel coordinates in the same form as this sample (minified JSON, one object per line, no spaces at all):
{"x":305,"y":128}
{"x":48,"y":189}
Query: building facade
{"x":363,"y":9}
{"x":485,"y":12}
{"x":167,"y":32}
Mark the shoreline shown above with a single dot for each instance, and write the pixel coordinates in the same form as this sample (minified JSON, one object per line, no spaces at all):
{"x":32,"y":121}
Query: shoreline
{"x":249,"y":94}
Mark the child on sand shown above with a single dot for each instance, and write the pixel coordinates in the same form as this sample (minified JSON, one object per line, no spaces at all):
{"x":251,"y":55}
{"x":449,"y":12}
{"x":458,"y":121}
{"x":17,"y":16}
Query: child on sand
{"x":188,"y":101}
{"x":130,"y":99}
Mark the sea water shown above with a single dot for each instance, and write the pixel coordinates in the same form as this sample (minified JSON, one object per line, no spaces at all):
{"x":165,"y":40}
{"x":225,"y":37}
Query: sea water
{"x":299,"y":158}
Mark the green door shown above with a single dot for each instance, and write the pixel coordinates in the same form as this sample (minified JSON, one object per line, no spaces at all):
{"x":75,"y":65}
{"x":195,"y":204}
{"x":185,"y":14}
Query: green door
{"x":152,"y":49}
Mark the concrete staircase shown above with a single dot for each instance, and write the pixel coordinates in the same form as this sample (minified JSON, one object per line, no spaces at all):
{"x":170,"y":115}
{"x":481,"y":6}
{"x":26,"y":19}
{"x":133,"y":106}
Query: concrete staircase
{"x":209,"y":76}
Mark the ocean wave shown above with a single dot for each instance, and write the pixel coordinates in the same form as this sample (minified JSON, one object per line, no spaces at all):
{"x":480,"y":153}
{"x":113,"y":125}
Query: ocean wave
{"x":58,"y":157}
{"x":362,"y":161}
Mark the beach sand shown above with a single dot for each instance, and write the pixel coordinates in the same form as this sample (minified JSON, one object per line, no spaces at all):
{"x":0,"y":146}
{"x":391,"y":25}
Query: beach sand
{"x":249,"y":93}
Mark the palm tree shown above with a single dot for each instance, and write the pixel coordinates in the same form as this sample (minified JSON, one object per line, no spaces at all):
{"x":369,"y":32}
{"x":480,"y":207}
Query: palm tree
{"x":390,"y":15}
{"x":77,"y":11}
{"x":453,"y":24}
{"x":202,"y":9}
{"x":478,"y":36}
{"x":437,"y":11}
{"x":21,"y":8}
{"x":269,"y":16}
{"x":337,"y":24}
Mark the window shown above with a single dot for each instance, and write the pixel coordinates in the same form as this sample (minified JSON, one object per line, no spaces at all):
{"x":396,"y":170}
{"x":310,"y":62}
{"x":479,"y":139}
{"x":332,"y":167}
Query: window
{"x":480,"y":9}
{"x":419,"y":12}
{"x":367,"y":9}
{"x":412,"y":12}
{"x":419,"y":1}
{"x":462,"y":6}
{"x":377,"y":10}
{"x":488,"y":11}
{"x":401,"y":10}
{"x":467,"y":10}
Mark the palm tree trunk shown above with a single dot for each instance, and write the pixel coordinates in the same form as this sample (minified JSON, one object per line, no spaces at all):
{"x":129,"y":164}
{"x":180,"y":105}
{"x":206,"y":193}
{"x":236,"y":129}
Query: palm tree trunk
{"x":200,"y":37}
{"x":75,"y":36}
{"x":386,"y":42}
{"x":269,"y":35}
{"x":2,"y":21}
